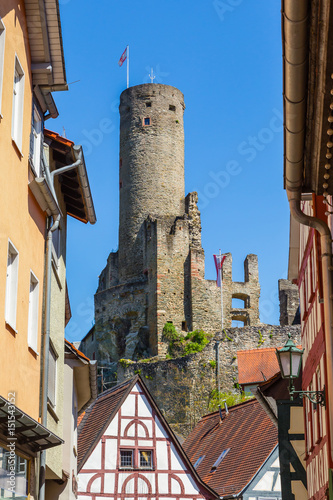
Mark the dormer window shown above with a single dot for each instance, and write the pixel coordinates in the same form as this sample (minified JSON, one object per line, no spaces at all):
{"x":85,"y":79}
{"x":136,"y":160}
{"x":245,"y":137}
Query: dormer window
{"x":146,"y":122}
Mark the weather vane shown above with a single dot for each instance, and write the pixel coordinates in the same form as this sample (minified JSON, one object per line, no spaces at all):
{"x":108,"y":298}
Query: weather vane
{"x":152,"y":76}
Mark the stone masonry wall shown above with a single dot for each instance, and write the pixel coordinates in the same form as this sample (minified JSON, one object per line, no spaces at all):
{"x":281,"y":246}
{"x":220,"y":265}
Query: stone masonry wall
{"x":289,"y":303}
{"x":182,"y":387}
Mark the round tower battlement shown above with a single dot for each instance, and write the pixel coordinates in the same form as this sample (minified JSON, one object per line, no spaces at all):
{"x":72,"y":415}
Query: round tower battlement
{"x":151,"y":166}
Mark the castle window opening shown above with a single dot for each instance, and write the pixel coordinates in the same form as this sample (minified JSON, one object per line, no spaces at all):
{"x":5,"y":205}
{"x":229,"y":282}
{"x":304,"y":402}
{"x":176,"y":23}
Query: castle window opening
{"x":93,"y":356}
{"x":184,"y":326}
{"x":148,"y":104}
{"x":120,"y":184}
{"x":146,"y":121}
{"x":238,"y":303}
{"x":172,"y":107}
{"x":120,"y":162}
{"x":236,"y":323}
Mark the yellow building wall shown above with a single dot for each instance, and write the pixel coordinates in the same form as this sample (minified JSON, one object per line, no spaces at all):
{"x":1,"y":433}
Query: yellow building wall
{"x":21,"y":221}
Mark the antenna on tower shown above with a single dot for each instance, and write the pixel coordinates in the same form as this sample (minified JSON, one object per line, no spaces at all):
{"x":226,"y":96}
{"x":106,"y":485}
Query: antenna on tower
{"x":152,"y":76}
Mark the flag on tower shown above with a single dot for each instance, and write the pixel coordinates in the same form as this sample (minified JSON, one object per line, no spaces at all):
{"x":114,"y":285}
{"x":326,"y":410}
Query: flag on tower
{"x":219,"y":259}
{"x":123,"y":57}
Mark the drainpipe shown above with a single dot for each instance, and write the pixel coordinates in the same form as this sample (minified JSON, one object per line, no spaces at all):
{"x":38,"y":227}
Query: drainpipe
{"x":56,"y":220}
{"x":54,"y":226}
{"x":295,"y":57}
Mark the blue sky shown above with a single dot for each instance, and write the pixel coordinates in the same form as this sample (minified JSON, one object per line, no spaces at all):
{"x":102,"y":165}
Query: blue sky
{"x":225,"y":56}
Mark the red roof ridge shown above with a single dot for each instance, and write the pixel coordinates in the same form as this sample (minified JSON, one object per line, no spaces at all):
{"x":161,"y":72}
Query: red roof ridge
{"x":58,"y":137}
{"x":258,"y":349}
{"x":77,"y":350}
{"x":230,"y":408}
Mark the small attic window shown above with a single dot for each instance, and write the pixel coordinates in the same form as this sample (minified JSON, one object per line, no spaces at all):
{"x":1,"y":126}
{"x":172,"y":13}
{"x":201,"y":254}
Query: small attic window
{"x":198,"y":462}
{"x":146,"y":122}
{"x":219,"y":460}
{"x":148,"y":104}
{"x":172,"y":107}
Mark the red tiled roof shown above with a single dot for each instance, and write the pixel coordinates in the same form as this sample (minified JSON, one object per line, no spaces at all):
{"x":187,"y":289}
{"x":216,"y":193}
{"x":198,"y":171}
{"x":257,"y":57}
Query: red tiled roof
{"x":251,"y":437}
{"x":97,"y":418}
{"x":256,"y":365}
{"x":77,"y":352}
{"x":58,"y":138}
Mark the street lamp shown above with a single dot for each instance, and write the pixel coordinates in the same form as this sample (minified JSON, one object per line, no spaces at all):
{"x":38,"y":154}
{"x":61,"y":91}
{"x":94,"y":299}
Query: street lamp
{"x":290,"y":362}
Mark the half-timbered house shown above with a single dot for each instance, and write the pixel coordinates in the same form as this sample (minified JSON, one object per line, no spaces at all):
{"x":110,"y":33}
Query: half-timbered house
{"x":126,"y":449}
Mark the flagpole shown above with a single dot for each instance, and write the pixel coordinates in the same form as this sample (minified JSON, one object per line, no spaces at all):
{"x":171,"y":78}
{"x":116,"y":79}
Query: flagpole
{"x":127,"y":66}
{"x":221,"y":291}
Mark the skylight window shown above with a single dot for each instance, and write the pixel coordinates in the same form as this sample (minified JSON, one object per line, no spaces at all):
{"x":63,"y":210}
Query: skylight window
{"x":219,"y":460}
{"x":198,"y":462}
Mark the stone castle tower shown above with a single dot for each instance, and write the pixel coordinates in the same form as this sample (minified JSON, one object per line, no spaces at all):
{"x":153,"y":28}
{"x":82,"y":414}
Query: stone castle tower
{"x":158,"y":273}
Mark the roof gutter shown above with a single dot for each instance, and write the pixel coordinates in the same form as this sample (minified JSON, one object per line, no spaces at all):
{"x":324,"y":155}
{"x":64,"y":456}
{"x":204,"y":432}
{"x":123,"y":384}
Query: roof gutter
{"x":295,"y":57}
{"x":82,"y":171}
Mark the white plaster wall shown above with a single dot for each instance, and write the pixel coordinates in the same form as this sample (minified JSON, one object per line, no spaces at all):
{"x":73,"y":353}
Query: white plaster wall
{"x":110,"y":453}
{"x":161,"y":455}
{"x":112,"y":429}
{"x":95,"y":459}
{"x":160,"y":432}
{"x":176,"y":462}
{"x":144,"y":408}
{"x":128,"y":407}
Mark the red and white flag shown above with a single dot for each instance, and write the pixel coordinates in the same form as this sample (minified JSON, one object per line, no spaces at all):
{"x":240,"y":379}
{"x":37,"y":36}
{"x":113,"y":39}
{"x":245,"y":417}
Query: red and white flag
{"x":219,"y":259}
{"x":123,"y":57}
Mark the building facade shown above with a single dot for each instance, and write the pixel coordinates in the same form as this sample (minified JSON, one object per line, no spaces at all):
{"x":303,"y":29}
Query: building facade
{"x":126,"y":449}
{"x":34,"y":207}
{"x":307,"y":48}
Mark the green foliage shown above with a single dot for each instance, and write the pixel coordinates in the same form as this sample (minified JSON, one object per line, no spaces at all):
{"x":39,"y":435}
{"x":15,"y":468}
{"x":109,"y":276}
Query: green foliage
{"x":170,"y":333}
{"x":226,"y":337}
{"x":212,"y":363}
{"x":182,"y":346}
{"x":261,"y":340}
{"x":231,"y":398}
{"x":137,"y":372}
{"x":168,"y":356}
{"x":234,"y":357}
{"x":125,"y":362}
{"x":197,"y":340}
{"x":149,"y":377}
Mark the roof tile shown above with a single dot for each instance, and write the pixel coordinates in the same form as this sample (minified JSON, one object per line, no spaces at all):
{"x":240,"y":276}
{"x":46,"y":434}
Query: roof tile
{"x":251,"y":437}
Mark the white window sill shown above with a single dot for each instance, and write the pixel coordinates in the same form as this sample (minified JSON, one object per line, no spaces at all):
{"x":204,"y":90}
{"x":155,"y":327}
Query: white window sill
{"x":11,"y":327}
{"x":33,"y":349}
{"x":52,"y":412}
{"x":17,"y":147}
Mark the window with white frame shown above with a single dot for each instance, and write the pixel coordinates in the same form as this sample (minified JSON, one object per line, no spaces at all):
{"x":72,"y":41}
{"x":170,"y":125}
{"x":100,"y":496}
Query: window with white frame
{"x":52,"y":378}
{"x":2,"y":56}
{"x":33,"y":312}
{"x":11,"y":285}
{"x":18,"y":97}
{"x":36,"y":140}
